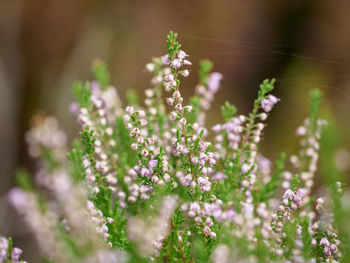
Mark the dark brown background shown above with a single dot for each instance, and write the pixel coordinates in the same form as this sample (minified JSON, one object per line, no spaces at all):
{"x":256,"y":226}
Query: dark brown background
{"x":46,"y":45}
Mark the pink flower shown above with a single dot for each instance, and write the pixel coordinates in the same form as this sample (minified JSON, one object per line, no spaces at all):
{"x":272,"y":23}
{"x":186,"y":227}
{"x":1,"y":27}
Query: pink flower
{"x":267,"y":104}
{"x":289,"y":195}
{"x":194,"y":207}
{"x":206,"y":230}
{"x":173,"y":115}
{"x":18,"y":198}
{"x":219,"y":176}
{"x":182,"y":54}
{"x":176,"y":63}
{"x":217,"y":213}
{"x":16,"y":253}
{"x":74,"y":108}
{"x":301,"y":193}
{"x":145,"y":172}
{"x":165,"y":59}
{"x":324,"y":241}
{"x":152,"y":164}
{"x":214,"y":82}
{"x":129,"y":110}
{"x":89,"y":205}
{"x":185,"y":73}
{"x":231,"y":214}
{"x":245,"y":168}
{"x":170,"y":101}
{"x":217,"y":128}
{"x":207,"y":208}
{"x":169,"y":78}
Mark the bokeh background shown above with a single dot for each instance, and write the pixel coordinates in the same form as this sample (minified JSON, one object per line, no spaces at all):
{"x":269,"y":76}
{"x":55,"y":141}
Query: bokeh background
{"x":46,"y":45}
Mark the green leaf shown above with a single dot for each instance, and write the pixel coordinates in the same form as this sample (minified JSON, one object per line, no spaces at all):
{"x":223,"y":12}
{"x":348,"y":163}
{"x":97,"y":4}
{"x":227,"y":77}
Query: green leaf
{"x":23,"y":180}
{"x":10,"y":247}
{"x":290,"y":228}
{"x":315,"y":102}
{"x":205,"y":66}
{"x":267,"y":86}
{"x":82,"y":94}
{"x":295,"y":182}
{"x":75,"y":162}
{"x":172,"y":44}
{"x":101,"y":73}
{"x":306,"y":237}
{"x":132,"y":97}
{"x":228,"y":111}
{"x":88,"y":139}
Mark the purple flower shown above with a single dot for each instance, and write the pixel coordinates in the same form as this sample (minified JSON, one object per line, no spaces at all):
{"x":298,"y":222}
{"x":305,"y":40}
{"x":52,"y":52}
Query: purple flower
{"x":4,"y":243}
{"x":18,"y":198}
{"x":231,"y":127}
{"x":16,"y":253}
{"x":217,"y":213}
{"x":95,"y":88}
{"x":248,"y":208}
{"x":185,"y":73}
{"x":152,"y":164}
{"x":268,"y":103}
{"x":214,"y":82}
{"x":324,"y":241}
{"x":217,"y":128}
{"x":207,"y":208}
{"x":176,"y":63}
{"x":90,"y":205}
{"x":74,"y":107}
{"x":129,"y":110}
{"x":165,"y":59}
{"x":137,"y":169}
{"x":219,"y":176}
{"x":264,"y":164}
{"x":194,"y":207}
{"x":202,"y":180}
{"x":169,"y":78}
{"x":245,"y":168}
{"x":301,"y":193}
{"x":289,"y":195}
{"x":231,"y":214}
{"x":86,"y":162}
{"x":182,"y":54}
{"x":233,"y":137}
{"x":145,"y":172}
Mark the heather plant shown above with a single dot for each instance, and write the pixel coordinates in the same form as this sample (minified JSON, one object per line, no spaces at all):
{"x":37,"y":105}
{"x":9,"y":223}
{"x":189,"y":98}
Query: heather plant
{"x":146,"y":182}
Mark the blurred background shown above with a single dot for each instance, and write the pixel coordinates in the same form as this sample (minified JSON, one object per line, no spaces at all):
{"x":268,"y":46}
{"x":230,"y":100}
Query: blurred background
{"x":46,"y":45}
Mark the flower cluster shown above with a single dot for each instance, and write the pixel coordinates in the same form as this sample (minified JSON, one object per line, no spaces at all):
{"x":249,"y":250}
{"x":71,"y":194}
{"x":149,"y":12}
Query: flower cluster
{"x":98,"y":219}
{"x":9,"y":253}
{"x":291,"y":201}
{"x":151,"y":183}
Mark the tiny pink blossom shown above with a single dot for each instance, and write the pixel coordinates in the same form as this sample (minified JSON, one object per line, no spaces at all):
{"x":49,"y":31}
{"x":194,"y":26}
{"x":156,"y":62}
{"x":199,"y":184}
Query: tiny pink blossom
{"x":214,"y":81}
{"x":216,"y":128}
{"x":165,"y":59}
{"x":267,"y":104}
{"x":176,"y":63}
{"x":182,"y":54}
{"x":219,"y":176}
{"x":324,"y":241}
{"x":289,"y":195}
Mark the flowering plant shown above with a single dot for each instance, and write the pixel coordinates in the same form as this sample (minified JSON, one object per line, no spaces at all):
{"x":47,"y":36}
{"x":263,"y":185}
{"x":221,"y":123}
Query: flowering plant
{"x":147,"y":183}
